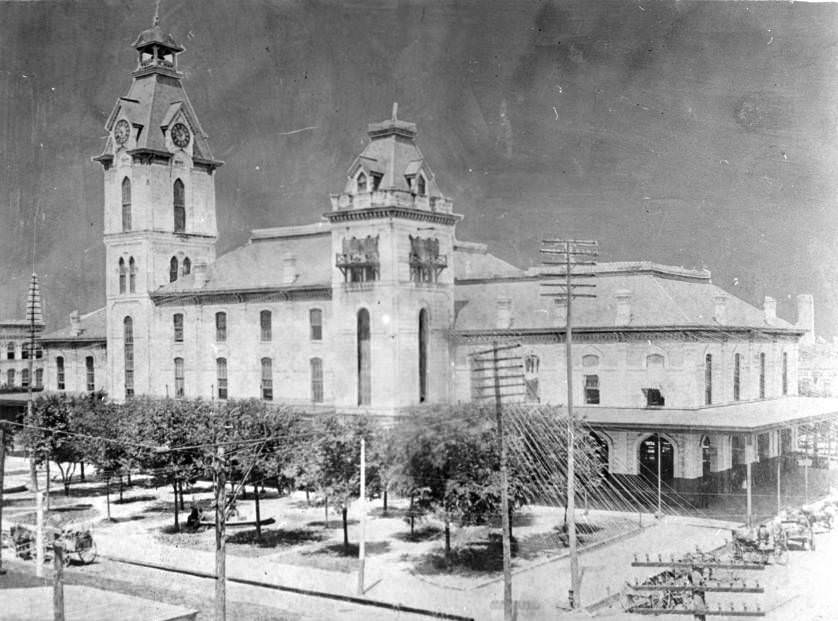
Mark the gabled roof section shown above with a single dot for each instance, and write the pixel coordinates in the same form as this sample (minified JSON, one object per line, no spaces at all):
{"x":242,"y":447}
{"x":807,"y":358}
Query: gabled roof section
{"x":659,"y":297}
{"x":473,"y":261}
{"x":92,"y":327}
{"x":259,"y":263}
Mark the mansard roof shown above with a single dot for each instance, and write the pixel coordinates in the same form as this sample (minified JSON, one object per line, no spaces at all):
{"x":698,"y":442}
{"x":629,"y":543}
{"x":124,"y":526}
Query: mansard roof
{"x":258,"y":265}
{"x":660,"y":297}
{"x":92,"y":327}
{"x":472,"y":261}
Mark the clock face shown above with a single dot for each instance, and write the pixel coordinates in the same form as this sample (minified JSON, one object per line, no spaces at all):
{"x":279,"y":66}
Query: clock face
{"x":121,"y":131}
{"x":180,"y":135}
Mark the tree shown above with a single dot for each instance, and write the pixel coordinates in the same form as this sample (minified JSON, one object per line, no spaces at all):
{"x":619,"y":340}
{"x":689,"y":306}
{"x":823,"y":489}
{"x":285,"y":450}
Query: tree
{"x":336,"y":449}
{"x":107,"y":440}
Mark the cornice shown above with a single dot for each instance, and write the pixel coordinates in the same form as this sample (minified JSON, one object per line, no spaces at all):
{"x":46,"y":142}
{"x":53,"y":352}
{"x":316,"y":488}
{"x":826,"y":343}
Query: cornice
{"x":376,"y":213}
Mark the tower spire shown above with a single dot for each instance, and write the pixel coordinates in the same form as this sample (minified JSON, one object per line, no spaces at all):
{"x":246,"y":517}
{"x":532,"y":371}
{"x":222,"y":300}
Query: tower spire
{"x":156,"y":21}
{"x":395,"y":110}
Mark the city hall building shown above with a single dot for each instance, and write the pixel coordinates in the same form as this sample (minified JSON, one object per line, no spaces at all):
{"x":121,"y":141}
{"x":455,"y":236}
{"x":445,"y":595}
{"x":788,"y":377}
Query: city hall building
{"x":376,"y":306}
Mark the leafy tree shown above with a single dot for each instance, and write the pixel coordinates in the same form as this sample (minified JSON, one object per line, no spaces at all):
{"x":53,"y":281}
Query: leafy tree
{"x":107,"y":440}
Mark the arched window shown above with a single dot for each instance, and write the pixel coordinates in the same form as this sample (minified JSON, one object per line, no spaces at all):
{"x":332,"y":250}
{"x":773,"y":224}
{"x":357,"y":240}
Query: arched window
{"x":10,"y":351}
{"x":315,"y":321}
{"x":122,"y":275}
{"x":221,"y":377}
{"x":128,"y":346}
{"x":187,"y":266}
{"x":737,"y":376}
{"x":317,"y":380}
{"x":221,"y":327}
{"x":363,"y":357}
{"x":267,"y":379}
{"x":39,"y":351}
{"x":180,"y":206}
{"x":762,"y":375}
{"x":59,"y":372}
{"x":177,"y":322}
{"x":590,"y":360}
{"x":24,"y":351}
{"x":420,"y":185}
{"x":132,"y":275}
{"x":126,"y":204}
{"x":654,"y":361}
{"x":173,"y":269}
{"x":179,"y":378}
{"x":785,"y":373}
{"x":10,"y":377}
{"x":24,"y":378}
{"x":423,"y":355}
{"x":265,"y":321}
{"x":39,"y":378}
{"x":531,"y":389}
{"x":90,"y":374}
{"x":708,"y":379}
{"x":361,"y":182}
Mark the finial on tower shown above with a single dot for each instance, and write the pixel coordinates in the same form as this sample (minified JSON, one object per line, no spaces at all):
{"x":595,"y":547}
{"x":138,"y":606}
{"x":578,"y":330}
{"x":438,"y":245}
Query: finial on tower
{"x":395,"y":110}
{"x":156,"y":13}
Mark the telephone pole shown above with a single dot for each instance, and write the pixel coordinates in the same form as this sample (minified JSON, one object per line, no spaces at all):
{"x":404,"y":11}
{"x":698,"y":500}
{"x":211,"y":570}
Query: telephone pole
{"x":567,"y":254}
{"x":220,"y":536}
{"x":363,"y":502}
{"x":34,"y":316}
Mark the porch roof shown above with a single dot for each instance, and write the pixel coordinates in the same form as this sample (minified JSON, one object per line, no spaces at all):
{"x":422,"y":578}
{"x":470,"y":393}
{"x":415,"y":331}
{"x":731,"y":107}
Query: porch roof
{"x":746,"y":416}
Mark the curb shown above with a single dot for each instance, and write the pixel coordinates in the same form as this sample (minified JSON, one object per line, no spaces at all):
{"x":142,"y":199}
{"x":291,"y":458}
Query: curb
{"x":298,"y":590}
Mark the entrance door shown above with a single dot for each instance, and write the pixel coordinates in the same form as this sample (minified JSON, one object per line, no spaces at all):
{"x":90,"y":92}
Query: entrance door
{"x":649,"y":459}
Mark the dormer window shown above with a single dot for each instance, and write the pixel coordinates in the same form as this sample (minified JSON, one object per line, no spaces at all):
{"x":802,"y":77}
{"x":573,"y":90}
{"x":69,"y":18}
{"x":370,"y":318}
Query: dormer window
{"x":420,"y":185}
{"x":361,"y":182}
{"x":376,"y":181}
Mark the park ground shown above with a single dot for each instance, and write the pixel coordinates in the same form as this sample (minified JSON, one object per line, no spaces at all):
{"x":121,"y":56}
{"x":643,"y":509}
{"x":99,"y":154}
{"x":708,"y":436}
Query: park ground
{"x":303,"y":551}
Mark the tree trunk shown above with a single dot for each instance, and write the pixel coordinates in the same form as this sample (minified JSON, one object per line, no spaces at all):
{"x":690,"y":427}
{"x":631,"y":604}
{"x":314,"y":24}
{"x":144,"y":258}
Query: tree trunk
{"x":345,"y":529}
{"x":384,"y":513}
{"x":177,"y":517}
{"x":411,"y":516}
{"x":120,"y":489}
{"x":128,"y":474}
{"x":81,"y":465}
{"x":258,"y":516}
{"x":308,"y":498}
{"x":326,"y":506}
{"x":108,"y":495}
{"x":447,"y":537}
{"x":182,"y":503}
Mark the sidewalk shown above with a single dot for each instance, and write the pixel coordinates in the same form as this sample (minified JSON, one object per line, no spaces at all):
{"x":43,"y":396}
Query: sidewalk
{"x":541,"y":592}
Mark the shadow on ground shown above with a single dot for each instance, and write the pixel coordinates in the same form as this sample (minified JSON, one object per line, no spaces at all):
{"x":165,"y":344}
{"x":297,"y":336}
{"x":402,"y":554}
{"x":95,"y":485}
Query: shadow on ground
{"x":276,"y":538}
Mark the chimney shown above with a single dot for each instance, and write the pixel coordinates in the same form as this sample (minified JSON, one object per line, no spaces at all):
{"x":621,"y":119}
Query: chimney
{"x":289,"y":269}
{"x":199,"y":274}
{"x":720,"y":309}
{"x":503,"y":318}
{"x":769,"y":307}
{"x":75,"y":323}
{"x":623,"y":317}
{"x":806,"y":317}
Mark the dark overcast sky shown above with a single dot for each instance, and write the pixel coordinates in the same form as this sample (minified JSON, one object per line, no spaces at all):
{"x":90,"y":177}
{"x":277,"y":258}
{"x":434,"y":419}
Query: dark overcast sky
{"x":688,"y":133}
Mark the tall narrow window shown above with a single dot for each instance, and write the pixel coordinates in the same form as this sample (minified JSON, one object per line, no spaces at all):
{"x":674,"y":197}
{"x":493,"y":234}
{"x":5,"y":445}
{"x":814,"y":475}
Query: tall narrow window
{"x":737,"y":375}
{"x":128,"y":345}
{"x":187,"y":266}
{"x":132,"y":275}
{"x":24,"y":351}
{"x":531,"y":388}
{"x":39,"y":351}
{"x":708,"y":379}
{"x":59,"y":372}
{"x":317,"y":380}
{"x":39,"y":378}
{"x":592,"y":389}
{"x":179,"y":378}
{"x":90,"y":374}
{"x":173,"y":269}
{"x":177,"y":320}
{"x":24,"y":378}
{"x":123,"y":273}
{"x":361,"y":182}
{"x":420,"y":185}
{"x":762,"y":376}
{"x":363,"y":353}
{"x":423,"y":355}
{"x":265,"y":331}
{"x":315,"y":321}
{"x":221,"y":377}
{"x":785,"y":373}
{"x":10,"y":351}
{"x":126,"y":204}
{"x":267,"y":380}
{"x":10,"y":377}
{"x":221,"y":327}
{"x":180,"y":206}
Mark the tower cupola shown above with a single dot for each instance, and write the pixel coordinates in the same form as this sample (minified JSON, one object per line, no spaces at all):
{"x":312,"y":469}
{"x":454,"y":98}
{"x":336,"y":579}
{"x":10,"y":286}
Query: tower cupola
{"x":156,"y":51}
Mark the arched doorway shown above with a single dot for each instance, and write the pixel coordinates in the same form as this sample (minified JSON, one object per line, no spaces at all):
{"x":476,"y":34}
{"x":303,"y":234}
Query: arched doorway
{"x":601,"y":451}
{"x":649,"y":450}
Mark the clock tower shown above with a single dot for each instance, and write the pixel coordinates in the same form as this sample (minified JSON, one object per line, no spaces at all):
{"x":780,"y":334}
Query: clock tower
{"x":159,"y":204}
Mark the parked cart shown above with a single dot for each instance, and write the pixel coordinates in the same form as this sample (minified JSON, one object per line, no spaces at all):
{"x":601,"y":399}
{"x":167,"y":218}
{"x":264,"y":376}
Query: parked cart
{"x":77,"y":543}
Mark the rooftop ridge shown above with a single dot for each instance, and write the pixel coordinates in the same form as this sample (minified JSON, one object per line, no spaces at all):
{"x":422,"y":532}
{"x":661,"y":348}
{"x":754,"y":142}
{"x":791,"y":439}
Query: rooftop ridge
{"x":634,"y":267}
{"x":281,"y":232}
{"x":467,"y":246}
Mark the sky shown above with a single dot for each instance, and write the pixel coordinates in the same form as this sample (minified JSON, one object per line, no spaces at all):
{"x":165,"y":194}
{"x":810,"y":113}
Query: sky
{"x":697,"y":134}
